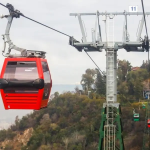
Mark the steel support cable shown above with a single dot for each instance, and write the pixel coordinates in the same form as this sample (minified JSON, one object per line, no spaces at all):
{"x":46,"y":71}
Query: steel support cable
{"x":51,"y":29}
{"x":46,"y":26}
{"x":144,"y":17}
{"x":148,"y":69}
{"x":37,"y":22}
{"x":146,"y":33}
{"x":147,"y":39}
{"x":95,"y":63}
{"x":145,"y":130}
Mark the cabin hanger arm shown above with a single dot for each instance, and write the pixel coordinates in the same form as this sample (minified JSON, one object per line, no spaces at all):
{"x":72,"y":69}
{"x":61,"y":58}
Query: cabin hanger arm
{"x":6,"y":36}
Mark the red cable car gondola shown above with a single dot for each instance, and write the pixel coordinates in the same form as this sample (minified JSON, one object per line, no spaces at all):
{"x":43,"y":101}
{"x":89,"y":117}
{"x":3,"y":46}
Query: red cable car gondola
{"x":148,"y":123}
{"x":25,"y":83}
{"x":25,"y":79}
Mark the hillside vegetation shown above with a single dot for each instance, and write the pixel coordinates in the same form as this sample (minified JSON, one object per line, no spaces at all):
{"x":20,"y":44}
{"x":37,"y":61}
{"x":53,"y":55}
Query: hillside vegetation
{"x":72,"y":119}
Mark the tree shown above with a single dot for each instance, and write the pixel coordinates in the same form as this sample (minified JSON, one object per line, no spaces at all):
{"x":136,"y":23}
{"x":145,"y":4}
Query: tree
{"x":145,"y":65}
{"x":44,"y":147}
{"x":54,"y":117}
{"x":17,"y":122}
{"x":123,"y":91}
{"x":135,"y":81}
{"x":78,"y":91}
{"x":88,"y":79}
{"x":56,"y":94}
{"x":45,"y":119}
{"x":100,"y":83}
{"x":66,"y":142}
{"x":45,"y":122}
{"x":123,"y":68}
{"x":23,"y":123}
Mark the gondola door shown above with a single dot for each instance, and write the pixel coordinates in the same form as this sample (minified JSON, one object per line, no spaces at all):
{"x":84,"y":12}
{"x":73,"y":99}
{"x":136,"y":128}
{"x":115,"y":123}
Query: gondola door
{"x":47,"y":83}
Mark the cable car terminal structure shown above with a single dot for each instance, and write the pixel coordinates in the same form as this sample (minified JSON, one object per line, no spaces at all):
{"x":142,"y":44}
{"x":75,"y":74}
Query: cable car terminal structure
{"x":111,"y":128}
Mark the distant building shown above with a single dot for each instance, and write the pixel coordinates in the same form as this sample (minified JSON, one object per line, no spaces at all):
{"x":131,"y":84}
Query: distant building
{"x":135,"y":68}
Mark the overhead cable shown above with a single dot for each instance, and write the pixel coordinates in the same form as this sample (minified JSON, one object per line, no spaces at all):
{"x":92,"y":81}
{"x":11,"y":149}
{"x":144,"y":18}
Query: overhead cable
{"x":94,"y":63}
{"x":147,"y":39}
{"x":146,"y":31}
{"x":37,"y":21}
{"x":49,"y":28}
{"x":144,"y":17}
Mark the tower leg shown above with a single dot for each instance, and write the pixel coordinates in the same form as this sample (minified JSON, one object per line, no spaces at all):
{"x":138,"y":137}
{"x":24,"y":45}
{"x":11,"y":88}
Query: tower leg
{"x":107,"y":133}
{"x":101,"y":131}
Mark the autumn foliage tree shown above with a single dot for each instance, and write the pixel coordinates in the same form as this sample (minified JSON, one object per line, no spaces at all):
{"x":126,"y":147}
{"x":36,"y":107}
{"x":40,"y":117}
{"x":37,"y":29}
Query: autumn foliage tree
{"x":88,"y":79}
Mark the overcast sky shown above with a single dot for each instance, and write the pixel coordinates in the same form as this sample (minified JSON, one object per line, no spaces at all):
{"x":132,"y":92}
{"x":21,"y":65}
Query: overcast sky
{"x":67,"y":64}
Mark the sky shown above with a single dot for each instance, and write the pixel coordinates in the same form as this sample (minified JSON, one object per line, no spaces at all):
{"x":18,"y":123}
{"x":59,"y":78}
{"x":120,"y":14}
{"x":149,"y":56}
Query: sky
{"x":67,"y":64}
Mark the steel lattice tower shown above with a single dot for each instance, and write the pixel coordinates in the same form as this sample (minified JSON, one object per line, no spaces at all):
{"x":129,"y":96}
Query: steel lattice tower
{"x":111,"y":128}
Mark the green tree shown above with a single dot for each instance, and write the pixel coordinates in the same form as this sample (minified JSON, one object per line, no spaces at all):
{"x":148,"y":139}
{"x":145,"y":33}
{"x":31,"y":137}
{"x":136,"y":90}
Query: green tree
{"x":88,"y":79}
{"x":66,"y":141}
{"x":123,"y":68}
{"x":135,"y":82}
{"x":100,"y":83}
{"x":123,"y":91}
{"x":145,"y":65}
{"x":44,"y":147}
{"x":23,"y":123}
{"x":56,"y":94}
